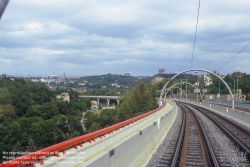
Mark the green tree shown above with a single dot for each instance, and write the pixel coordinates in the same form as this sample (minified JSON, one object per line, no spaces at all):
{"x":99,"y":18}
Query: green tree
{"x":124,"y":111}
{"x":61,"y":122}
{"x":13,"y":134}
{"x":36,"y":132}
{"x":94,"y":127}
{"x":7,"y":111}
{"x":107,"y":117}
{"x":4,"y":96}
{"x":34,"y":111}
{"x":49,"y":110}
{"x":31,"y":147}
{"x":74,"y":125}
{"x":51,"y":134}
{"x":142,"y":99}
{"x":62,"y":106}
{"x":90,"y":119}
{"x":19,"y":95}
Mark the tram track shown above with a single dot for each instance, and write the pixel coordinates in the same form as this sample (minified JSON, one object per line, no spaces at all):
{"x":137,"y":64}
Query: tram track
{"x":229,"y":139}
{"x":190,"y":146}
{"x":203,"y":139}
{"x":196,"y":149}
{"x":238,"y":133}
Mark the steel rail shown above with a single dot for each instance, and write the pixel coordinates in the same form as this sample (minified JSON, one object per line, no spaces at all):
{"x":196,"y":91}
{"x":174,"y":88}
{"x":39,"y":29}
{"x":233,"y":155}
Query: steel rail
{"x":239,"y":143}
{"x":211,"y":152}
{"x":176,"y":155}
{"x":232,"y":123}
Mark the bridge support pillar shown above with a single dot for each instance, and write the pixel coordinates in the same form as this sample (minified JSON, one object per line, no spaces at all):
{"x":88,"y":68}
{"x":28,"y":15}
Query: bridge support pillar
{"x":118,"y":102}
{"x":98,"y":102}
{"x":108,"y":100}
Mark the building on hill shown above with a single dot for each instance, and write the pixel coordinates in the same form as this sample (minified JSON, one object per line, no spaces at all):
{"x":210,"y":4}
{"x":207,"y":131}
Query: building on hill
{"x":64,"y":96}
{"x":127,"y":73}
{"x":161,"y":70}
{"x":207,"y":80}
{"x":4,"y":76}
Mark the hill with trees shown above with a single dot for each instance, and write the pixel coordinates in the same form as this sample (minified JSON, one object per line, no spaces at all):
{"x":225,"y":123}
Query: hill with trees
{"x":117,"y":83}
{"x":31,"y":118}
{"x":141,"y":99}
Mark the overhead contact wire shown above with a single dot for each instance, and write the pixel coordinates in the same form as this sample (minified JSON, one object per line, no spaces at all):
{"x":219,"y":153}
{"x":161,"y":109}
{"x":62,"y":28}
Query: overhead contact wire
{"x":233,"y":56}
{"x":197,"y":22}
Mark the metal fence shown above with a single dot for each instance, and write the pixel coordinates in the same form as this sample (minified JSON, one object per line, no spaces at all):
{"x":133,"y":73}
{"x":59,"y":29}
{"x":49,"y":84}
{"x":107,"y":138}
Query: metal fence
{"x":228,"y":103}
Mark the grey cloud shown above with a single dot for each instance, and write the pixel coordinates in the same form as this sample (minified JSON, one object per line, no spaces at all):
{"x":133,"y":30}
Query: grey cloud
{"x":118,"y":36}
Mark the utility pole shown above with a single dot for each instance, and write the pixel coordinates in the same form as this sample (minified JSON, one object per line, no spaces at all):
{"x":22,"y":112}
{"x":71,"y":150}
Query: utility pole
{"x":238,"y":88}
{"x":219,"y":87}
{"x":177,"y":92}
{"x":186,"y":89}
{"x":234,"y":87}
{"x":197,"y":86}
{"x":237,"y":91}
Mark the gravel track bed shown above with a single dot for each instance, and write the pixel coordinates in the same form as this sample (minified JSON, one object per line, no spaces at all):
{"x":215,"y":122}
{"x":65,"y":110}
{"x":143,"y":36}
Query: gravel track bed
{"x":227,"y":153}
{"x":165,"y":151}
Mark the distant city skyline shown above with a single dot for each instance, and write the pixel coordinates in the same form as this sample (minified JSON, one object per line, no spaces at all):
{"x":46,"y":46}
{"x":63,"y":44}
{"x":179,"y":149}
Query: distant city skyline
{"x":82,"y":37}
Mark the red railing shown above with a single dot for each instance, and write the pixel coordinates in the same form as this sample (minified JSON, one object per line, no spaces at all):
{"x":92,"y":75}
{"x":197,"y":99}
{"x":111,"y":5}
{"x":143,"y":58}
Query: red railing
{"x":61,"y":147}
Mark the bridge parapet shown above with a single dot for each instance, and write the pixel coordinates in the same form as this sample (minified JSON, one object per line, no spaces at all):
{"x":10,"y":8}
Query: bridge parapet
{"x":91,"y":149}
{"x":117,"y":98}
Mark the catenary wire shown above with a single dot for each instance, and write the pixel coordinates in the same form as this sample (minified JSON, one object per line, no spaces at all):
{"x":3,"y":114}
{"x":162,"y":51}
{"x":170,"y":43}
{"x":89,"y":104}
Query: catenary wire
{"x":233,"y":57}
{"x":195,"y":33}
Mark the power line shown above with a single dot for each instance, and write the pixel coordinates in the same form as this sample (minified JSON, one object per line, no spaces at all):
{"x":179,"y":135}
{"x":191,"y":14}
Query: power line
{"x":195,"y":33}
{"x":234,"y":56}
{"x":3,"y":4}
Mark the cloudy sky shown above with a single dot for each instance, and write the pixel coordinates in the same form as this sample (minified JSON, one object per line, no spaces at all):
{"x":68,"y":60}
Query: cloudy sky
{"x":92,"y":37}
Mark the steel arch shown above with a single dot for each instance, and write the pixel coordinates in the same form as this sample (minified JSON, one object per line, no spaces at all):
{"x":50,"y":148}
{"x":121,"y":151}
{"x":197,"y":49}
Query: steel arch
{"x":172,"y":91}
{"x":186,"y":83}
{"x":162,"y":92}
